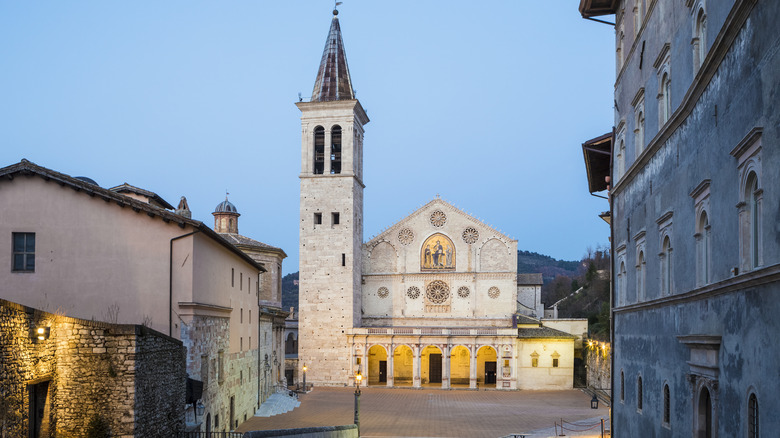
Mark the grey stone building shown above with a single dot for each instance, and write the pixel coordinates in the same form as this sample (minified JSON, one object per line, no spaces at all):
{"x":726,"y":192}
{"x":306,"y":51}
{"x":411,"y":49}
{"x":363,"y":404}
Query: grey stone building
{"x":695,"y":209}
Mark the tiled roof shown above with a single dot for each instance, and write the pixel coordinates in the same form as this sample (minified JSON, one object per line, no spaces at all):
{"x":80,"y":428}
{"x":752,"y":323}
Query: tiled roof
{"x":127,"y":188}
{"x":529,"y":279}
{"x":542,"y":332}
{"x":525,"y":319}
{"x":237,"y":239}
{"x":333,"y":81}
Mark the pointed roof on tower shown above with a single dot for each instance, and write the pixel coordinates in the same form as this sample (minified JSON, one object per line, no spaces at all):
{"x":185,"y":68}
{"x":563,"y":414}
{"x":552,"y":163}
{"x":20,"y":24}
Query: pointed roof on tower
{"x":333,"y":80}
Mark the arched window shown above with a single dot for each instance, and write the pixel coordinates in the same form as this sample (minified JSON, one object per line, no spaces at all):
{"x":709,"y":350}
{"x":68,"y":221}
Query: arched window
{"x":638,"y":10}
{"x":703,"y":250}
{"x":667,"y":404}
{"x":666,"y":266}
{"x":639,"y":393}
{"x":622,"y":386}
{"x":319,"y":150}
{"x":621,"y":160}
{"x":640,"y":276}
{"x":622,"y":283}
{"x":639,"y":133}
{"x":619,"y":51}
{"x":751,"y":198}
{"x":291,"y":344}
{"x":704,"y":414}
{"x":665,"y":95}
{"x":335,"y":149}
{"x":753,"y":431}
{"x":699,"y":40}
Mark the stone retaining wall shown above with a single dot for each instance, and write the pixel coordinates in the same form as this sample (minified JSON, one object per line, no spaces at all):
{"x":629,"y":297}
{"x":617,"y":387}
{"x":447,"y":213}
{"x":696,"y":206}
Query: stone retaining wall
{"x":131,"y":376}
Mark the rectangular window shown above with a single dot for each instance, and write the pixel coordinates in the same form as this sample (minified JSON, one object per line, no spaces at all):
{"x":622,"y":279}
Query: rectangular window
{"x":242,"y":316}
{"x":343,"y":259}
{"x":555,"y":363}
{"x":317,"y":218}
{"x":335,"y":217}
{"x":534,"y":362}
{"x":24,"y":252}
{"x":232,"y":277}
{"x":241,"y":344}
{"x":241,"y":281}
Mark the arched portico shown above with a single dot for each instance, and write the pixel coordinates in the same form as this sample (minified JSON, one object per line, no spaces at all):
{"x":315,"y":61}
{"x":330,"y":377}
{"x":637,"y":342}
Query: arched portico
{"x":487,"y":367}
{"x":377,"y":366}
{"x":402,"y":366}
{"x":460,"y":367}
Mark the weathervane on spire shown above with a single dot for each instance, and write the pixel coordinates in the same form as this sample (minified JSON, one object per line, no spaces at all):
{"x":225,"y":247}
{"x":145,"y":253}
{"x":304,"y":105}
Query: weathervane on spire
{"x":336,"y":8}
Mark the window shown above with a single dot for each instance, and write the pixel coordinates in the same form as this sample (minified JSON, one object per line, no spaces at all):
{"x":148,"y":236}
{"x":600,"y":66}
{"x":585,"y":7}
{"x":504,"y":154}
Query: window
{"x":665,"y":102}
{"x":241,"y":343}
{"x":535,"y":359}
{"x":640,"y":276}
{"x":317,"y":218}
{"x":335,"y":149}
{"x":241,"y":320}
{"x":622,"y":387}
{"x":667,"y":405}
{"x":699,"y":40}
{"x":753,"y":431}
{"x":23,"y":252}
{"x":220,"y":366}
{"x":748,"y":155}
{"x":241,"y":281}
{"x":619,"y":50}
{"x":334,"y":218}
{"x":639,"y":394}
{"x":702,"y":232}
{"x":343,"y":259}
{"x":232,"y":277}
{"x":555,"y":363}
{"x":666,"y":266}
{"x":703,"y":416}
{"x":637,"y":19}
{"x":319,"y":150}
{"x":620,"y":278}
{"x":639,"y":122}
{"x":620,"y":168}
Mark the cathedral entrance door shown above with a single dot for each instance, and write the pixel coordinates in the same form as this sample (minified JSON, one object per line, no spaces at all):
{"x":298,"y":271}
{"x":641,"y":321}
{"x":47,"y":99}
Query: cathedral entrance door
{"x":382,"y":371}
{"x":434,"y":368}
{"x":490,"y":372}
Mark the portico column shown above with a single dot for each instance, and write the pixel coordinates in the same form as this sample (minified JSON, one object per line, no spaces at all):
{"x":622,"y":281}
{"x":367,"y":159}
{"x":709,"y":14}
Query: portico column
{"x":416,"y":367}
{"x":445,"y":372}
{"x":473,"y":368}
{"x":390,"y":366}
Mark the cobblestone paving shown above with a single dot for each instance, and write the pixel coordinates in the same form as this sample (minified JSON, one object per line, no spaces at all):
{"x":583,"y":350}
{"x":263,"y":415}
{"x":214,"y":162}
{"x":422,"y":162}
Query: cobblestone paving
{"x":434,"y":413}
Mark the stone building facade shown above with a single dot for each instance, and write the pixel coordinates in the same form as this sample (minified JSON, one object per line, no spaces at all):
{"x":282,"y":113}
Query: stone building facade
{"x":433,"y":300}
{"x":694,"y":204}
{"x":132,"y":377}
{"x":122,"y":255}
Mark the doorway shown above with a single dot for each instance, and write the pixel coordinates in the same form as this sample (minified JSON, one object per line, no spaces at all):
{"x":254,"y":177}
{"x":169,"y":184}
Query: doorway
{"x":39,"y":409}
{"x":382,"y":371}
{"x":490,"y":373}
{"x":434,"y":368}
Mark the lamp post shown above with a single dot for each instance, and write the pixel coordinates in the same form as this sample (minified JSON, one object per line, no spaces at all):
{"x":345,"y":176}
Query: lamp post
{"x":304,"y":378}
{"x":358,"y":378}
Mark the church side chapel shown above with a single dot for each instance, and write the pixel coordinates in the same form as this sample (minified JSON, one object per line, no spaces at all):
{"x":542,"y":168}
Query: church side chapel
{"x":433,"y":301}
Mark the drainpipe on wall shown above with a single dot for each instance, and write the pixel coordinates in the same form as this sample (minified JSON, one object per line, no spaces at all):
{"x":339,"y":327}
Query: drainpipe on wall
{"x":170,"y":281}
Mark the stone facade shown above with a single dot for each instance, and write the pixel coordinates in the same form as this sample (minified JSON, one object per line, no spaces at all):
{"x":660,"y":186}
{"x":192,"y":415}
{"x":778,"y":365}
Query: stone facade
{"x":131,"y":376}
{"x":694,"y":202}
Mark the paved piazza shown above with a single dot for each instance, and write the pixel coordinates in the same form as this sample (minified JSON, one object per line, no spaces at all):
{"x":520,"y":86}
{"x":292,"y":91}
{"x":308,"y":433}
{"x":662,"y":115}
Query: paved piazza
{"x":435,"y":413}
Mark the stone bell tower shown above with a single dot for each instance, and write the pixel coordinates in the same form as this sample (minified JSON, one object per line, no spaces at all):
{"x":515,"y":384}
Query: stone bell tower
{"x":331,"y":226}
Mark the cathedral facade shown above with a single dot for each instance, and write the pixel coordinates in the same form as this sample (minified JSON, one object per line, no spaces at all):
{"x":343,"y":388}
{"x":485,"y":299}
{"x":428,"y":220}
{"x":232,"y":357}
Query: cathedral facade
{"x":435,"y":300}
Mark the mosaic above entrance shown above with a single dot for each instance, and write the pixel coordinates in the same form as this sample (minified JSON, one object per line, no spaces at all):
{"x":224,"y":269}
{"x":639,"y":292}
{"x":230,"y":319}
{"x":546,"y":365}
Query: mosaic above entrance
{"x":437,"y":253}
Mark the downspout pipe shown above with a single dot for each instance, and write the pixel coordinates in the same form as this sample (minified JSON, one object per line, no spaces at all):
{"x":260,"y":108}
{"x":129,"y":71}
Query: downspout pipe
{"x":170,"y":281}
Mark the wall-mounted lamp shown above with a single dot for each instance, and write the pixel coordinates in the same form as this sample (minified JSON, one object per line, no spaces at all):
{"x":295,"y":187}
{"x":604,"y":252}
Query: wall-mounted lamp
{"x":199,"y":410}
{"x":594,"y":402}
{"x":41,"y":334}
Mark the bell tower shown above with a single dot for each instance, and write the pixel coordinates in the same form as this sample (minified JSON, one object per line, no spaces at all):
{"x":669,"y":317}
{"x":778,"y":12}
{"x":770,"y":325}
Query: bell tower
{"x":331,"y":225}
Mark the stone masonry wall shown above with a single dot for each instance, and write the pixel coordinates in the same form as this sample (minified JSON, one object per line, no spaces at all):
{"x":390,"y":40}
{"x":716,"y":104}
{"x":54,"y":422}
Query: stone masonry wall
{"x":131,"y":376}
{"x":599,"y":367}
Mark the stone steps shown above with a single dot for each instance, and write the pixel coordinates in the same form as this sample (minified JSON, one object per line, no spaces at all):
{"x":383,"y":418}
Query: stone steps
{"x":276,"y":404}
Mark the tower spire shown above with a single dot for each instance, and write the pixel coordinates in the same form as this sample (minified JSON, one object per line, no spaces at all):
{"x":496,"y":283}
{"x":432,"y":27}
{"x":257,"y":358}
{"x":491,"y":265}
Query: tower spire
{"x":333,"y":81}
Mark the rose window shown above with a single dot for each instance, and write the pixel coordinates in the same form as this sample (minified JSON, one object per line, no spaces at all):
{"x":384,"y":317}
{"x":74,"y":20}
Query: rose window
{"x":438,"y":218}
{"x":470,"y":235}
{"x":405,"y":236}
{"x":494,"y":292}
{"x":437,"y":292}
{"x":463,"y":291}
{"x":383,"y":292}
{"x":413,"y":292}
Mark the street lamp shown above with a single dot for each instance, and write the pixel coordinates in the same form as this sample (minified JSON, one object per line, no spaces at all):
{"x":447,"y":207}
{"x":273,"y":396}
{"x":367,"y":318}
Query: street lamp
{"x":594,"y":402}
{"x":358,"y":378}
{"x":304,"y":378}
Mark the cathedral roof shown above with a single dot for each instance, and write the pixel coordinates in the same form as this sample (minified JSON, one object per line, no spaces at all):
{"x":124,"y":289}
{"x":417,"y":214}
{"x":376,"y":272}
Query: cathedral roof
{"x":333,"y":80}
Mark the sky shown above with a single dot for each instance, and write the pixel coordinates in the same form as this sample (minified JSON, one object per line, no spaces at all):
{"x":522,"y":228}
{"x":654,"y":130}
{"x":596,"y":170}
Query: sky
{"x":485,"y":104}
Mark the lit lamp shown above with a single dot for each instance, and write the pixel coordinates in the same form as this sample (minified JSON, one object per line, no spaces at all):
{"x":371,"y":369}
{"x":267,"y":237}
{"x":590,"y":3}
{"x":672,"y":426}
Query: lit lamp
{"x":199,"y":410}
{"x":358,"y":378}
{"x":594,"y":402}
{"x":41,"y":334}
{"x":304,"y":378}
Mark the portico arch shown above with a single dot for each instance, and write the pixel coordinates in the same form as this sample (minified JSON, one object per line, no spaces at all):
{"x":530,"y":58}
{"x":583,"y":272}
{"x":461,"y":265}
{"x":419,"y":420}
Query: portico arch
{"x":377,"y":366}
{"x":487,"y":366}
{"x":431,"y":365}
{"x":402,"y":365}
{"x":460,"y":366}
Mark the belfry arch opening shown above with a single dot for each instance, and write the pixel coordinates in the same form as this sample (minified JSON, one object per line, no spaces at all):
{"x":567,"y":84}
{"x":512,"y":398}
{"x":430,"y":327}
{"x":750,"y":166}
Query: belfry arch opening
{"x":335,"y":149}
{"x":377,"y":366}
{"x":460,"y":367}
{"x":319,"y":150}
{"x":487,"y":367}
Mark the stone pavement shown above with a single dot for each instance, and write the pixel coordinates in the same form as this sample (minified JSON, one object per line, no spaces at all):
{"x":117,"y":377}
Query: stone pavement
{"x":387,"y":412}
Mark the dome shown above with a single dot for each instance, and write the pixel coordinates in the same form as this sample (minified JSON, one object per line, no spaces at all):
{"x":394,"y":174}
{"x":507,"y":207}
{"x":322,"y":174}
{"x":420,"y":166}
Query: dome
{"x":225,"y":207}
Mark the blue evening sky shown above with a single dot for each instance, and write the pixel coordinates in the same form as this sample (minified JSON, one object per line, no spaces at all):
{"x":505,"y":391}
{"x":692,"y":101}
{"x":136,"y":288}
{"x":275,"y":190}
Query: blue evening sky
{"x":484,"y":103}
